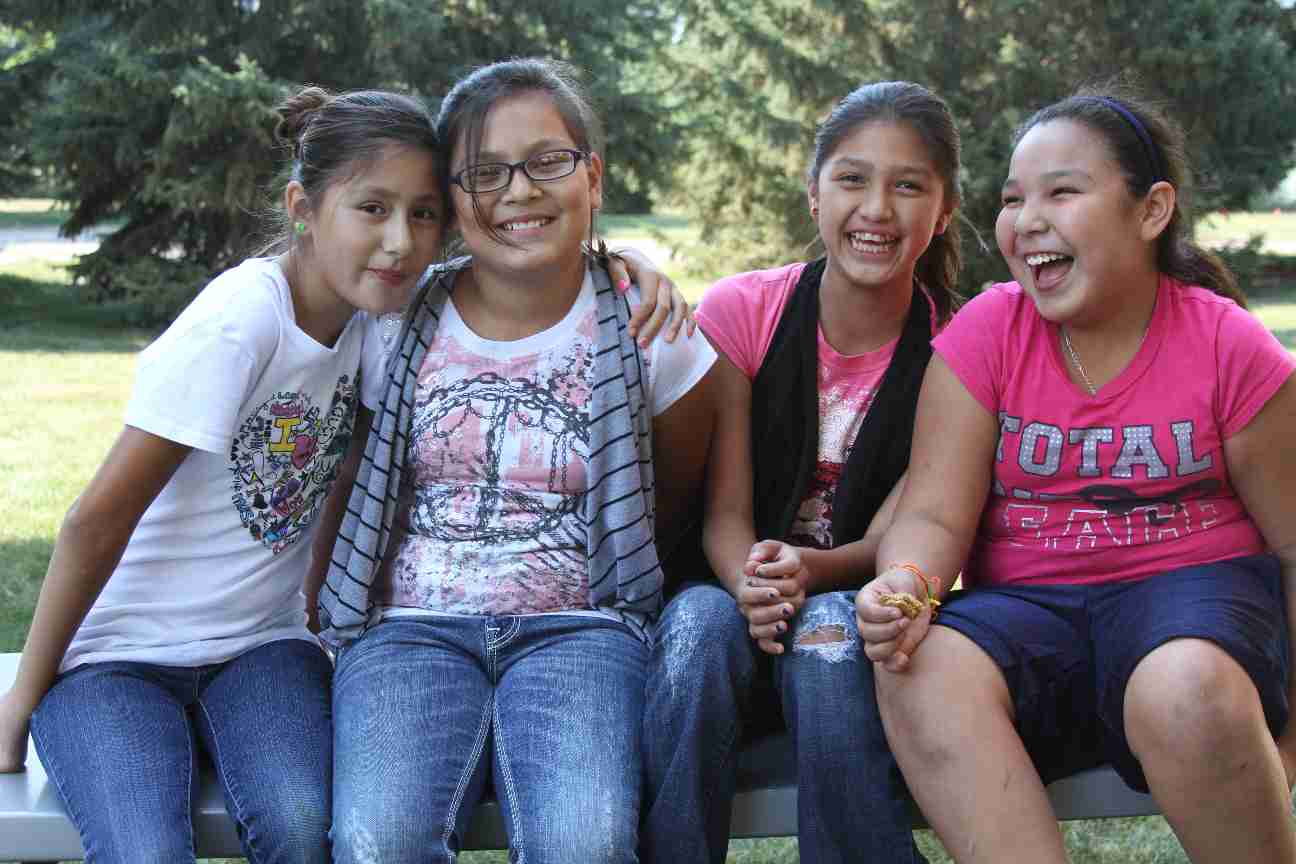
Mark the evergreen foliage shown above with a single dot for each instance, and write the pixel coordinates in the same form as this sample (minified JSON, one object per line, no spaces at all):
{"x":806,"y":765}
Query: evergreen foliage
{"x":20,"y":71}
{"x":157,"y":116}
{"x":756,"y":75}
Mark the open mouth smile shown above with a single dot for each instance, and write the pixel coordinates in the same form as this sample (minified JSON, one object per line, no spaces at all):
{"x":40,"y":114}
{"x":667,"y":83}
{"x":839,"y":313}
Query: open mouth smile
{"x":871,"y":243}
{"x":1048,"y":269}
{"x":530,"y":223}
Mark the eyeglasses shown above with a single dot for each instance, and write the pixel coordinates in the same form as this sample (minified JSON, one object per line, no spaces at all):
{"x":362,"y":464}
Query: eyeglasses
{"x":542,"y":167}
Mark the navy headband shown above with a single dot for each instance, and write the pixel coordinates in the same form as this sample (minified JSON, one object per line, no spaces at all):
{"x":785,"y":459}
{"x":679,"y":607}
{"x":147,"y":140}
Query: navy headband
{"x":1150,"y":150}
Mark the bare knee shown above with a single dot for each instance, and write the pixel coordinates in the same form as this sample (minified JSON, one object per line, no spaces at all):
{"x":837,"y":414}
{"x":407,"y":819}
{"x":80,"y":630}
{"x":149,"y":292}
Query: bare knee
{"x":1188,"y":697}
{"x":950,"y":678}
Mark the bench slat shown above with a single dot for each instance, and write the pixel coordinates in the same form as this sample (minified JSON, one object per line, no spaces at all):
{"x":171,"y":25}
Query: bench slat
{"x":34,"y":827}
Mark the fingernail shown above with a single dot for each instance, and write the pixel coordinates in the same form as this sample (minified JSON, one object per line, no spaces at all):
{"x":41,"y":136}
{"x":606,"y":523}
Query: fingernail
{"x":623,"y":286}
{"x":787,"y":610}
{"x":773,"y":595}
{"x":780,"y":627}
{"x":643,"y":343}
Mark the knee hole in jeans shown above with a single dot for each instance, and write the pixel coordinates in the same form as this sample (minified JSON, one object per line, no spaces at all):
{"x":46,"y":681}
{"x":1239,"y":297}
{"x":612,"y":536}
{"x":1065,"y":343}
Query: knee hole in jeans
{"x":822,"y":635}
{"x":828,"y":642}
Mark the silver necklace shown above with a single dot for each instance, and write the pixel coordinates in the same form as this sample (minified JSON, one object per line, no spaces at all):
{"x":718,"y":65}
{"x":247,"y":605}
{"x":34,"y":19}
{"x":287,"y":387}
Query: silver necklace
{"x":1075,"y":358}
{"x":1075,"y":361}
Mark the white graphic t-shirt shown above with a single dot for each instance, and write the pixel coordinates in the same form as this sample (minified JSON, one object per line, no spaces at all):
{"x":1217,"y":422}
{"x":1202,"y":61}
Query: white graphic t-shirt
{"x":489,"y":516}
{"x":215,"y":566}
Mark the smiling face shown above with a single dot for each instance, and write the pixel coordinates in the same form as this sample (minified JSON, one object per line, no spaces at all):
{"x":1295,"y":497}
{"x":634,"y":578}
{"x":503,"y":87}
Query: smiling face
{"x":1071,"y":232}
{"x":544,"y":222}
{"x":880,"y":200}
{"x":373,"y":234}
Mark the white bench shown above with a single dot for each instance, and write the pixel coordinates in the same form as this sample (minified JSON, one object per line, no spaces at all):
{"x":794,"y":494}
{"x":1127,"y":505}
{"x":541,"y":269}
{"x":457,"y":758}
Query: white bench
{"x":34,"y":826}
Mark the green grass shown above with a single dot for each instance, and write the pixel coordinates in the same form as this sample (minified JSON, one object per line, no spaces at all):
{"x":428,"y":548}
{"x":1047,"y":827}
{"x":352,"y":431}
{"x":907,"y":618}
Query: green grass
{"x":657,"y":236}
{"x":644,"y":224}
{"x":65,"y":375}
{"x":31,"y":213}
{"x":1280,"y":317}
{"x":1234,"y":229}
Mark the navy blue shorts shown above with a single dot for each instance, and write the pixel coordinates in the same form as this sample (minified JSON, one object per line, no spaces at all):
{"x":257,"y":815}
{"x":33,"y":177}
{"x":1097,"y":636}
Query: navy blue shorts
{"x":1067,"y":651}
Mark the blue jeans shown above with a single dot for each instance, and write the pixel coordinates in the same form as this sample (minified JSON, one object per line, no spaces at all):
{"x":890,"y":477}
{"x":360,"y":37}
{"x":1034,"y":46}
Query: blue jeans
{"x":705,"y":691}
{"x":547,"y":707}
{"x":120,"y":741}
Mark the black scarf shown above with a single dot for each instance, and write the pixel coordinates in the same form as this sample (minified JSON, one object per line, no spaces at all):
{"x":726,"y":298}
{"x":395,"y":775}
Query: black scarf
{"x":785,"y":419}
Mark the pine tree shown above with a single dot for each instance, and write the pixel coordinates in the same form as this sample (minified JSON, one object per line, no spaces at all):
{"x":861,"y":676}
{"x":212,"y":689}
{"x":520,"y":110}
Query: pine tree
{"x":1225,"y":68}
{"x":158,"y":115}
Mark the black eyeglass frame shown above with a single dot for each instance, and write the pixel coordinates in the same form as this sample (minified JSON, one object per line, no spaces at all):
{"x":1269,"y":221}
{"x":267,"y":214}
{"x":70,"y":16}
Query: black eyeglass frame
{"x":579,"y":156}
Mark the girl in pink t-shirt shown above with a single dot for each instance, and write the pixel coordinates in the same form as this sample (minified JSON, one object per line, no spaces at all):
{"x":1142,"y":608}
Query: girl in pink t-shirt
{"x":820,"y":366}
{"x":1101,"y":448}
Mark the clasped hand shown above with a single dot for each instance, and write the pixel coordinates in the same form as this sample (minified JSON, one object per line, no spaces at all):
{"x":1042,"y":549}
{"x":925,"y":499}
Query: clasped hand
{"x":771,"y":591}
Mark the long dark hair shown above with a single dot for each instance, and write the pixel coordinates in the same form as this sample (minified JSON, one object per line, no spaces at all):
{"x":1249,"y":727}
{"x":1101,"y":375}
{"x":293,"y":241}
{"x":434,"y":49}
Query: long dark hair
{"x":1148,"y":146}
{"x":331,"y":136}
{"x":929,"y":116}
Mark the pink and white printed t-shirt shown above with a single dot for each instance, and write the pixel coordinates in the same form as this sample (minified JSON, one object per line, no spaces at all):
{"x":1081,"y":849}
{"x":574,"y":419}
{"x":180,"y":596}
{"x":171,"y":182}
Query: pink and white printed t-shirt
{"x":1132,"y":481}
{"x":488,"y":520}
{"x":741,"y":314}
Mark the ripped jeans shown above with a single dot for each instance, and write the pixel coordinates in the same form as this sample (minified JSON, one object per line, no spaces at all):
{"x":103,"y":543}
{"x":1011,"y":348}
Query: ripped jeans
{"x":709,"y":685}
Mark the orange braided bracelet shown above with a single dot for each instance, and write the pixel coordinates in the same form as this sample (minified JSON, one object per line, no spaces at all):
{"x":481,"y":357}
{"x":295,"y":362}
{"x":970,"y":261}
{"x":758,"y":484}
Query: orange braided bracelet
{"x":926,"y":581}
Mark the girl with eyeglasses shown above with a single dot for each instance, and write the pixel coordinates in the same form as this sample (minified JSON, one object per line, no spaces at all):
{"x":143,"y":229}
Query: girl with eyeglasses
{"x":497,"y":572}
{"x":172,"y":617}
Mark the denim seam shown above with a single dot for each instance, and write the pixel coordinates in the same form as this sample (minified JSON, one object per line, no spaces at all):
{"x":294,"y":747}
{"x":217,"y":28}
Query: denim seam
{"x":191,"y":765}
{"x":456,"y":800}
{"x":226,"y":782}
{"x":53,"y":774}
{"x":515,"y":836}
{"x":514,"y":625}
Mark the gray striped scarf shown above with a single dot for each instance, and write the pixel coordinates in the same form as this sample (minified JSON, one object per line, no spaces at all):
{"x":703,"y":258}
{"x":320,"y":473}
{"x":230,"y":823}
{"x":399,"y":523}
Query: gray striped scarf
{"x":625,"y":577}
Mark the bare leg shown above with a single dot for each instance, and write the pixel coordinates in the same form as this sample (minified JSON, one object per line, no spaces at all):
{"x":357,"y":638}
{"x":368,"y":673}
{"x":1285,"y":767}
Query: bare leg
{"x":1194,"y":720}
{"x":949,"y":720}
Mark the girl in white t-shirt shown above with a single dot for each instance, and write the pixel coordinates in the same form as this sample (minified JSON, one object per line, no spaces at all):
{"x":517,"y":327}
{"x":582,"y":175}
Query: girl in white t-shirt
{"x":497,"y":570}
{"x":172,"y":616}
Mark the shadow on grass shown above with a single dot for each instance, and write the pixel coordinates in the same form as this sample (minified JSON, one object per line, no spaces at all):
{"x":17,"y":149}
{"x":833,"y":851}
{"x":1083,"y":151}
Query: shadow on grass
{"x":46,"y":315}
{"x":22,"y":567}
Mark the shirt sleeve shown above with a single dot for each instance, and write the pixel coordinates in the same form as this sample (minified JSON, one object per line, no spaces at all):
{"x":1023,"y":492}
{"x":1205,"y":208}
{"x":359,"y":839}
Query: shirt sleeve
{"x":380,"y":334}
{"x":740,"y":314}
{"x":972,"y":345}
{"x":1252,"y":365}
{"x":674,"y":368}
{"x":190,"y":386}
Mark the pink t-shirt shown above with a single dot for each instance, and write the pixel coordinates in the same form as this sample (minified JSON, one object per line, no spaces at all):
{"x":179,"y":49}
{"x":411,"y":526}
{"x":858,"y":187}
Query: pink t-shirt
{"x":740,"y":313}
{"x":1130,"y":482}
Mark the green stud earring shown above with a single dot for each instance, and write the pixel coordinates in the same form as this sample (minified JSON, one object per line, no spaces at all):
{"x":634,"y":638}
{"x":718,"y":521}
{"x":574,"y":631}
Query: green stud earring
{"x":299,"y":227}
